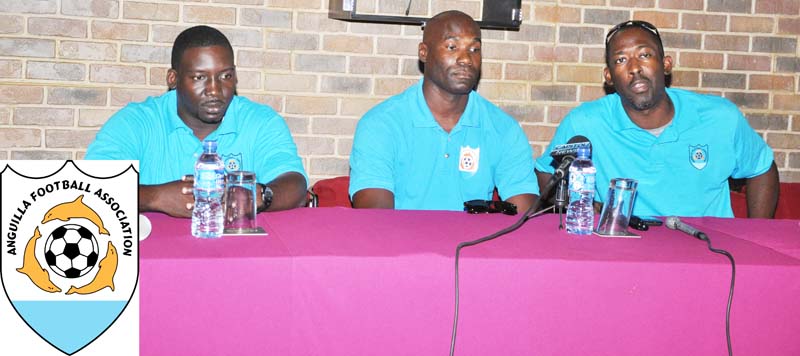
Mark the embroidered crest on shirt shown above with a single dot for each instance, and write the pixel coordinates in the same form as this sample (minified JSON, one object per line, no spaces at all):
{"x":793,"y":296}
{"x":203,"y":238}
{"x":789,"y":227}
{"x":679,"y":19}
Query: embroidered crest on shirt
{"x":233,"y":162}
{"x":468,"y":159}
{"x":698,"y":156}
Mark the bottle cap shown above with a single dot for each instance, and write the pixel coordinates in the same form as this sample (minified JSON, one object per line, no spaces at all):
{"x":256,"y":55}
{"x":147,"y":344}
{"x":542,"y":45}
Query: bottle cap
{"x":584,"y":152}
{"x":210,"y":146}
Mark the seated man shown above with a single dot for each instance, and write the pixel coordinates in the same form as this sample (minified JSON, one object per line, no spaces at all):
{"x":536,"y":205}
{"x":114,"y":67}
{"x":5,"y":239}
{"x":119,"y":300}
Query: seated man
{"x":680,"y":146}
{"x":439,"y":143}
{"x":165,"y":133}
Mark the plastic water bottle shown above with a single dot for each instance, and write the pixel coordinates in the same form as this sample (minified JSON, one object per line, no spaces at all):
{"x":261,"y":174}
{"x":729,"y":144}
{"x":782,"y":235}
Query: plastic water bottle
{"x":209,"y":186}
{"x":580,"y":212}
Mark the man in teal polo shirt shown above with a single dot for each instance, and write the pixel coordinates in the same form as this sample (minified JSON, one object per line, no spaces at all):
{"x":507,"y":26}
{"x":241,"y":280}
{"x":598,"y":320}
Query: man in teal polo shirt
{"x":165,"y":133}
{"x":680,"y":146}
{"x":439,"y":143}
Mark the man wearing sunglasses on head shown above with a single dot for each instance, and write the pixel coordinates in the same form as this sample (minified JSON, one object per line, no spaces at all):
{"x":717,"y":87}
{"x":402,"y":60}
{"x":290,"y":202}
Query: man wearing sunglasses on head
{"x":439,"y":143}
{"x":681,"y":146}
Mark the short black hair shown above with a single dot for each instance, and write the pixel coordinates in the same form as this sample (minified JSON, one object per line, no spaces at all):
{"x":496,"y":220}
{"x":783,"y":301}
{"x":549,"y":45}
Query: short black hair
{"x":648,"y":27}
{"x":197,"y":36}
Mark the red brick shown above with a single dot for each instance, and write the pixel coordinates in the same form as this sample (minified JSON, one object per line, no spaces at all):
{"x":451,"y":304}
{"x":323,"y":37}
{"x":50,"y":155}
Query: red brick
{"x":702,"y":60}
{"x":333,"y":126}
{"x":328,"y":165}
{"x":44,"y":116}
{"x":76,"y":96}
{"x":786,"y":102}
{"x":681,"y":4}
{"x":750,"y":63}
{"x":119,"y":31}
{"x":117,"y":74}
{"x":16,"y":137}
{"x":88,"y":50}
{"x":591,"y":92}
{"x":727,"y":43}
{"x":556,"y":14}
{"x":783,"y":7}
{"x":783,"y":140}
{"x":771,"y":82}
{"x":10,"y":68}
{"x":660,"y":19}
{"x":557,"y":113}
{"x":529,"y":72}
{"x":494,"y":91}
{"x":94,"y":117}
{"x":209,"y":14}
{"x":789,"y":26}
{"x":525,"y":112}
{"x":20,"y":94}
{"x":68,"y":138}
{"x":11,"y":24}
{"x":685,"y":79}
{"x":311,"y":105}
{"x":121,"y":97}
{"x":94,"y":8}
{"x":51,"y":26}
{"x":579,"y":74}
{"x":703,"y":22}
{"x":751,"y":24}
{"x":556,"y":54}
{"x":633,"y":3}
{"x":150,"y":11}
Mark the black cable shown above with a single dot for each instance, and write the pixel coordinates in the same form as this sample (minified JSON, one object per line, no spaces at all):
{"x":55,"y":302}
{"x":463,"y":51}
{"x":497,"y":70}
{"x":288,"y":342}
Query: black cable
{"x":730,"y":294}
{"x":493,"y":236}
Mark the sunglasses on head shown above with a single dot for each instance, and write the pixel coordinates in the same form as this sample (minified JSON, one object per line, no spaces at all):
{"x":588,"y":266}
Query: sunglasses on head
{"x":633,"y":23}
{"x":489,"y":206}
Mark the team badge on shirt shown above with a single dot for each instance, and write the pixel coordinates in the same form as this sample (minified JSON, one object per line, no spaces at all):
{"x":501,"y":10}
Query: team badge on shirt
{"x":468,"y":159}
{"x":233,"y":162}
{"x":698,"y":156}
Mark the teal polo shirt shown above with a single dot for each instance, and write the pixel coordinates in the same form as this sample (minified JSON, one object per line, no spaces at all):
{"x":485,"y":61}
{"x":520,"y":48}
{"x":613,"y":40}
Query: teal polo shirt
{"x":684,"y":171}
{"x":251,"y":137}
{"x":399,"y":146}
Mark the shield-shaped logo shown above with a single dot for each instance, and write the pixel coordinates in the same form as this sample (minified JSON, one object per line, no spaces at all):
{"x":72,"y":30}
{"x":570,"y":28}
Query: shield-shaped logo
{"x":698,"y":156}
{"x":233,"y":162}
{"x":70,"y":246}
{"x":468,"y":159}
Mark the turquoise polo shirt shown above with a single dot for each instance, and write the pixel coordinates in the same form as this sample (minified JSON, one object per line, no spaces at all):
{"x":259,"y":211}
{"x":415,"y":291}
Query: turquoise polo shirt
{"x":684,"y":171}
{"x":399,"y":146}
{"x":251,"y":137}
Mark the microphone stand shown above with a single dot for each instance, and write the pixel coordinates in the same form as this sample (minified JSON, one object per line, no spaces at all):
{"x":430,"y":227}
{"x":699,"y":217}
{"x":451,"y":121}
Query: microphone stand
{"x":561,"y":200}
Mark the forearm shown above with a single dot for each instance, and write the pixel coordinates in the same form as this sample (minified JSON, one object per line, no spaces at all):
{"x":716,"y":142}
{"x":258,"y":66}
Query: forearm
{"x":289,"y":192}
{"x":373,"y":198}
{"x":523,"y":201}
{"x":762,"y":194}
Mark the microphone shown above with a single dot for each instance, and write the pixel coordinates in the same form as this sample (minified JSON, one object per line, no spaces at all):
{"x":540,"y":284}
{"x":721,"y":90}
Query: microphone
{"x":674,"y":223}
{"x":565,"y":154}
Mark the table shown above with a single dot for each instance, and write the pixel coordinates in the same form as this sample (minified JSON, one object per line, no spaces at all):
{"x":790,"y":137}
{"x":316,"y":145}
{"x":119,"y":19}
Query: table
{"x":336,"y":281}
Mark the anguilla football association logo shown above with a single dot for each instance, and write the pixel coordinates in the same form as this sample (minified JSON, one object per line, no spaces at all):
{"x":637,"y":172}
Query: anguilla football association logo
{"x":70,"y":250}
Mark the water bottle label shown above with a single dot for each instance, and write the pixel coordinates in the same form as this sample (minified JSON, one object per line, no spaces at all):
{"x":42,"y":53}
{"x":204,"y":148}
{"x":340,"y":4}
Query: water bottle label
{"x":208,"y":179}
{"x":581,"y":182}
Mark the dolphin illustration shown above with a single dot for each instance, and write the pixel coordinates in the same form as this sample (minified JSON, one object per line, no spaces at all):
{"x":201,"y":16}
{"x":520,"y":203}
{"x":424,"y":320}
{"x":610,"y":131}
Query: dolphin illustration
{"x":75,"y":209}
{"x":104,"y":277}
{"x":31,"y":267}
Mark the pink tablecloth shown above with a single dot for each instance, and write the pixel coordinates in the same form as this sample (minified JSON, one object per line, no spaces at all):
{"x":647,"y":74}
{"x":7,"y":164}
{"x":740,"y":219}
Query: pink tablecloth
{"x":334,"y":281}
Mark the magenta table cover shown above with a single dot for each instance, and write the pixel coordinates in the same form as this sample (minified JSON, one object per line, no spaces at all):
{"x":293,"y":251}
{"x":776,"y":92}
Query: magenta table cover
{"x":335,"y":281}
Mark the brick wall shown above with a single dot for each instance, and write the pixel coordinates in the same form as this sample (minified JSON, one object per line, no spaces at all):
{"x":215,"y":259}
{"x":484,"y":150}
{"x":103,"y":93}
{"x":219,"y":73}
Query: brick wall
{"x":67,"y":65}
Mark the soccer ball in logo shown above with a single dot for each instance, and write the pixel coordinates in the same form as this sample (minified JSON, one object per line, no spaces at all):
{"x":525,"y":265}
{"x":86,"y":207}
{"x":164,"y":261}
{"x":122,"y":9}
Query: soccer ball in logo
{"x":71,"y":251}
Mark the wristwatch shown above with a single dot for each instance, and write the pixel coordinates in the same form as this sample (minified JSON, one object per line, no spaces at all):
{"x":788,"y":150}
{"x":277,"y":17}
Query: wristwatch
{"x":266,"y":197}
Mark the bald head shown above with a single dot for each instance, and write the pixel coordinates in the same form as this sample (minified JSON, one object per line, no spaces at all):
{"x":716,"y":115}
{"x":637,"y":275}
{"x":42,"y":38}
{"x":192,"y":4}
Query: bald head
{"x":444,"y":20}
{"x":451,"y":53}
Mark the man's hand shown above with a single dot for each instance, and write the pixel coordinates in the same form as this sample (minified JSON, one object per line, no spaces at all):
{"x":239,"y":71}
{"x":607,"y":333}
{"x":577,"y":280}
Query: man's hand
{"x":173,"y":198}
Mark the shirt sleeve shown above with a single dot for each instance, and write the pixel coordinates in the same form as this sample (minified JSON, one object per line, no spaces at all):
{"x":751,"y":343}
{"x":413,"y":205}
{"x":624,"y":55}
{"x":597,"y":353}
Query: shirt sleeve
{"x":276,"y":151}
{"x":753,"y":156}
{"x":515,"y":174}
{"x":116,"y":139}
{"x":373,"y":155}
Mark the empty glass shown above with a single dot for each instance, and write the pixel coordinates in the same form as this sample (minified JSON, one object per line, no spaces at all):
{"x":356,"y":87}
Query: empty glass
{"x":240,"y":203}
{"x":617,"y":208}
